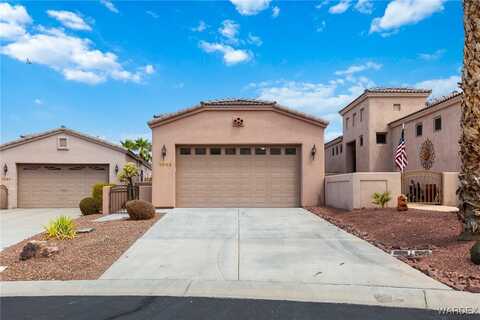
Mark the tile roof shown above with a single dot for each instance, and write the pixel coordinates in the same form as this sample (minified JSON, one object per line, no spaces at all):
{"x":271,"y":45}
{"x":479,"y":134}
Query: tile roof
{"x":397,"y":90}
{"x":404,"y":90}
{"x":31,"y":137}
{"x":334,"y":141}
{"x":441,"y":99}
{"x":233,"y":102}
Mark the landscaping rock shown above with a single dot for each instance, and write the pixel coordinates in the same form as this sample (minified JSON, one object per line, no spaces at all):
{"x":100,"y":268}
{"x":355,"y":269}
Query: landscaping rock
{"x":140,"y":210}
{"x":475,"y":253}
{"x":32,"y":249}
{"x":37,"y":248}
{"x":85,"y":230}
{"x":402,"y":203}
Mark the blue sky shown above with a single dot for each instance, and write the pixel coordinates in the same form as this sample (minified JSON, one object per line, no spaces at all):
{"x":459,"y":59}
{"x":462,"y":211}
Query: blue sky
{"x":105,"y":68}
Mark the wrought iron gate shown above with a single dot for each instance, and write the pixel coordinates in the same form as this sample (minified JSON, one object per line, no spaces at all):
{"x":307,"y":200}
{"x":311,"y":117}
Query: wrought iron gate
{"x":423,"y":186}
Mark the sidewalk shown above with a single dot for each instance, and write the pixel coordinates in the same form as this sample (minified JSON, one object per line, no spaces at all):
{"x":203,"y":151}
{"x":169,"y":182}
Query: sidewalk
{"x":433,"y":299}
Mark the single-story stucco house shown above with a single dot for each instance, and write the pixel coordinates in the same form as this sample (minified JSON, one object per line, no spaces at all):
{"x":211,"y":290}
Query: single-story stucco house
{"x":58,"y":168}
{"x":237,"y":153}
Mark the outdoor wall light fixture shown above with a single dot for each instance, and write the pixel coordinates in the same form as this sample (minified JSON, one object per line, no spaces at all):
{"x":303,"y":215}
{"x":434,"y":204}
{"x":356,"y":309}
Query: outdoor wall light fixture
{"x":5,"y":169}
{"x":314,"y":151}
{"x":116,"y":169}
{"x":164,"y":152}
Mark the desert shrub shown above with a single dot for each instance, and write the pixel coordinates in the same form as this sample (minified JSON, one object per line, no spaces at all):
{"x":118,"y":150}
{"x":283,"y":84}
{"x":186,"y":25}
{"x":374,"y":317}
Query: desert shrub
{"x":475,"y":253}
{"x":61,"y":228}
{"x":140,"y":210}
{"x":381,"y":198}
{"x":88,"y":206}
{"x":97,"y":192}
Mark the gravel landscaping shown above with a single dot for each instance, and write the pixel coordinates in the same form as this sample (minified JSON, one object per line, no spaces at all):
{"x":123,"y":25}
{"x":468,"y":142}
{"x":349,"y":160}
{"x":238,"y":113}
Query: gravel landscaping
{"x":86,"y":257}
{"x":389,"y":229}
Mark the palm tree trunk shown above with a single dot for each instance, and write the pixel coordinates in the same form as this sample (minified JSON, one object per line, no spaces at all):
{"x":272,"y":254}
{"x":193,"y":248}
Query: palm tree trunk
{"x":469,"y":189}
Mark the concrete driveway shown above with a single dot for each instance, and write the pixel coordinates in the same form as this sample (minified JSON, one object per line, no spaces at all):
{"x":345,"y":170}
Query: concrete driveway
{"x":287,"y":245}
{"x":19,"y":224}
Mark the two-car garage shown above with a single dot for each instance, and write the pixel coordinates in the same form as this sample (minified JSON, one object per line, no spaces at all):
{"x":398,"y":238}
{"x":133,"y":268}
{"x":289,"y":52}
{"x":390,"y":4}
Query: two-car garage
{"x":57,"y":185}
{"x":238,"y":176}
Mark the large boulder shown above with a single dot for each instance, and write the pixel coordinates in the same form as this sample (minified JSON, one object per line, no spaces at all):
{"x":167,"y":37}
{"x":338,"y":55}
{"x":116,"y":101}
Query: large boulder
{"x":140,"y":210}
{"x":475,"y":253}
{"x":37,"y":248}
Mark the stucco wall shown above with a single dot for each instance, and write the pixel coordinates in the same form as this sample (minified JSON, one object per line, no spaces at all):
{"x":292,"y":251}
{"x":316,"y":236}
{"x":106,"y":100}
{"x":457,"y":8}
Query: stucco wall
{"x":354,"y":190}
{"x":334,"y":163}
{"x":45,"y":150}
{"x":445,"y":141}
{"x":450,"y":186}
{"x":353,"y":133}
{"x":215,"y":127}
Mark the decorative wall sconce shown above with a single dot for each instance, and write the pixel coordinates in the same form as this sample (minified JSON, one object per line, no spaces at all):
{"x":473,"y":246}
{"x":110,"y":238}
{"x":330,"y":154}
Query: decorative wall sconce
{"x":5,"y":169}
{"x":116,"y":169}
{"x":314,"y":152}
{"x":164,"y":152}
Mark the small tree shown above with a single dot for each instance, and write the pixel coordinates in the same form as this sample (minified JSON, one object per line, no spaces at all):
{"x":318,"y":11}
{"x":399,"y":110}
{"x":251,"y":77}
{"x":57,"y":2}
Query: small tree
{"x":381,"y":199}
{"x":129,"y":171}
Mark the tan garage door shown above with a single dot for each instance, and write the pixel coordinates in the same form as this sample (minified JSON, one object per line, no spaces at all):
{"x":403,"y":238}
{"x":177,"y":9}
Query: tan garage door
{"x":238,"y":176}
{"x":57,"y":186}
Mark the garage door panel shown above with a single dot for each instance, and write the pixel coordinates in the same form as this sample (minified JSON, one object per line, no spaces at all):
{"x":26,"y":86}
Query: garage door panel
{"x":57,"y":185}
{"x":256,"y":180}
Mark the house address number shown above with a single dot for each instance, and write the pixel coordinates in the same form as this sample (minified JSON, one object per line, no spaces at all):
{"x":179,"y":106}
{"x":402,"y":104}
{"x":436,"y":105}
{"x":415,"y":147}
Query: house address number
{"x":165,"y":164}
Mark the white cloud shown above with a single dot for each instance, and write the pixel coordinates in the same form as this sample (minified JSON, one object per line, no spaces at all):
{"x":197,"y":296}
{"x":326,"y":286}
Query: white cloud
{"x":14,"y":14}
{"x":441,"y":86}
{"x":202,"y":26}
{"x":38,"y":101}
{"x":109,"y":5}
{"x":152,"y":14}
{"x":322,"y":26}
{"x":275,"y":12}
{"x":330,"y":135}
{"x":340,"y":7}
{"x":404,"y":12}
{"x":358,"y":68}
{"x":432,"y":56}
{"x":231,"y":56}
{"x":13,"y":21}
{"x":250,"y":7}
{"x":69,"y":19}
{"x":149,"y":69}
{"x":364,"y":6}
{"x":75,"y":58}
{"x":229,"y":30}
{"x":254,"y":40}
{"x":87,"y":77}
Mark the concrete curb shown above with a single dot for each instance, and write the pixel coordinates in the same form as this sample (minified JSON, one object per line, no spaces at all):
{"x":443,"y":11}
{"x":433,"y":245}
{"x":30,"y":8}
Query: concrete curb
{"x":433,"y":299}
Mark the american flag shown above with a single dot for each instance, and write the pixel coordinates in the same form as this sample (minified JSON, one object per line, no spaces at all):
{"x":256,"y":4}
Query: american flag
{"x":400,"y":153}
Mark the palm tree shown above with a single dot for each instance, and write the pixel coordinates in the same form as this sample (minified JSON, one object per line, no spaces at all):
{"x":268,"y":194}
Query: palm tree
{"x":129,"y":144}
{"x":144,"y":148}
{"x":469,"y":189}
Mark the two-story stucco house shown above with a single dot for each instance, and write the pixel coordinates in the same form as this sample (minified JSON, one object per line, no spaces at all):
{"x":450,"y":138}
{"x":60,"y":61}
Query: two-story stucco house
{"x":372,"y":125}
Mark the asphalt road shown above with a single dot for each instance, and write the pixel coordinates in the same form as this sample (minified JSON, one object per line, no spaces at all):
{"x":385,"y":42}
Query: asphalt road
{"x":178,"y":308}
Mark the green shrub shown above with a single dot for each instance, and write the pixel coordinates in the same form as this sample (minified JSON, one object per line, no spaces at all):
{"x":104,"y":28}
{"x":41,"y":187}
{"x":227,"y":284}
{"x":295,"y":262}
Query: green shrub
{"x":381,"y":199}
{"x":140,"y":210}
{"x":61,"y":228}
{"x":88,"y":206}
{"x":97,"y":192}
{"x":475,"y":253}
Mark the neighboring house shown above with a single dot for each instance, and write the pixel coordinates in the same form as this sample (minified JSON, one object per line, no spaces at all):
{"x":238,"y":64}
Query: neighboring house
{"x":237,"y":153}
{"x":58,"y":168}
{"x":372,"y":126}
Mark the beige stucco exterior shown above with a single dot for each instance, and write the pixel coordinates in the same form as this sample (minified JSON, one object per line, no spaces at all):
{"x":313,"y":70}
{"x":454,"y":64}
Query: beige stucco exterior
{"x":263,"y":125}
{"x":445,"y":141}
{"x":43,"y":149}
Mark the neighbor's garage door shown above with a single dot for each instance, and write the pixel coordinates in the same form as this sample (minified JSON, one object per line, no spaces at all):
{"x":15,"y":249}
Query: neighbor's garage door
{"x":57,"y":186}
{"x":238,"y":176}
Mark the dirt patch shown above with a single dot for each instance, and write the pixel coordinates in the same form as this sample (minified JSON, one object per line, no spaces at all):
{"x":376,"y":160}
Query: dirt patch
{"x":389,"y":229}
{"x":86,"y":257}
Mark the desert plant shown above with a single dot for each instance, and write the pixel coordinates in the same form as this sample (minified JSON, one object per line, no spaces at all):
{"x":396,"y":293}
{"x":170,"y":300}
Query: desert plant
{"x":381,"y":198}
{"x":88,"y":206}
{"x":129,"y":171}
{"x":61,"y":228}
{"x":97,"y":192}
{"x":140,"y":210}
{"x":475,"y":253}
